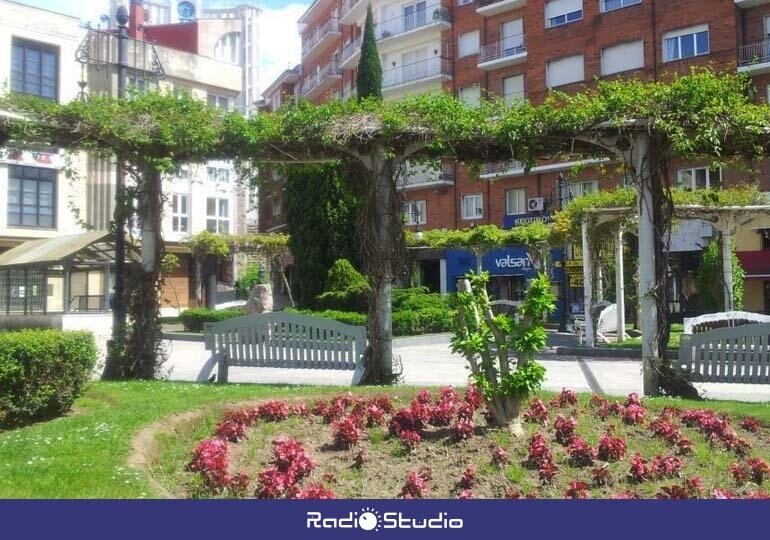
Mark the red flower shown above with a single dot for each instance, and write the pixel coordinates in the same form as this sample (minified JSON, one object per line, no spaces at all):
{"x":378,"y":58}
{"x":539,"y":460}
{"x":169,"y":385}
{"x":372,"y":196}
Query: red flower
{"x":539,"y":452}
{"x":547,"y":471}
{"x":601,"y":475}
{"x":565,"y":398}
{"x":580,"y":453}
{"x":611,"y":448}
{"x":577,"y":490}
{"x":410,"y":439}
{"x":360,"y":458}
{"x":474,"y":396}
{"x":289,"y":456}
{"x":666,"y":466}
{"x":315,"y":491}
{"x":468,"y":477}
{"x":347,"y":432}
{"x":462,"y":429}
{"x":640,"y":470}
{"x":565,"y":429}
{"x":499,"y":456}
{"x":466,"y":494}
{"x":415,"y":487}
{"x":633,"y":399}
{"x":274,"y":410}
{"x":537,"y":413}
{"x":633,"y":414}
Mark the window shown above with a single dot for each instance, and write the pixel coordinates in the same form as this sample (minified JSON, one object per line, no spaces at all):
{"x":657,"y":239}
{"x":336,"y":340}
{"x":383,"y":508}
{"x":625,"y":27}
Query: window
{"x":415,"y":212}
{"x":179,"y":216}
{"x":574,"y":190}
{"x":471,"y":95}
{"x":158,"y":14}
{"x":139,"y":85}
{"x":686,"y":43}
{"x":31,"y":197}
{"x":228,"y":48}
{"x":34,"y":69}
{"x":276,"y":206}
{"x":623,"y":57}
{"x":515,"y":202}
{"x":472,"y":206}
{"x":220,"y":102}
{"x":611,"y":5}
{"x":512,"y":37}
{"x":414,"y":15}
{"x":464,"y":2}
{"x":468,"y":44}
{"x":513,"y":88}
{"x":559,"y":12}
{"x":218,"y":215}
{"x":218,"y":174}
{"x":699,"y":178}
{"x":565,"y":71}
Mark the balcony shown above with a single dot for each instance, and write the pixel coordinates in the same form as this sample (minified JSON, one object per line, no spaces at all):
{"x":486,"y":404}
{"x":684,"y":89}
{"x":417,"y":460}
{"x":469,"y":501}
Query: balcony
{"x":351,"y":53}
{"x":500,"y":169}
{"x":322,"y":36}
{"x":352,"y":11}
{"x":423,"y":177}
{"x":745,"y":4}
{"x":323,"y":79}
{"x":412,"y":26}
{"x":412,"y":77}
{"x":487,"y":8}
{"x":754,"y":58}
{"x":508,"y":52}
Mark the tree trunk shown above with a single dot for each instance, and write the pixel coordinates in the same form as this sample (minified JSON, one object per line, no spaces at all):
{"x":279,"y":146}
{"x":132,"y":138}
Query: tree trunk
{"x":145,"y":343}
{"x":198,"y":282}
{"x":381,"y":241}
{"x":506,"y":412}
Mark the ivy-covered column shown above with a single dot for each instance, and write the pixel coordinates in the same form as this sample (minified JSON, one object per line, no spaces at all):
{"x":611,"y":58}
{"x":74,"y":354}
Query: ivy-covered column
{"x":727,"y":229}
{"x":620,"y":287}
{"x":588,"y":285}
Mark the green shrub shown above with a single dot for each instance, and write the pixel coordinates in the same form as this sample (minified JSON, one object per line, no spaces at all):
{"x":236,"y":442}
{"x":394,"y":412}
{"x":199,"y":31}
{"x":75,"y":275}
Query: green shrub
{"x":342,"y":276}
{"x":425,"y":321}
{"x":346,"y":317}
{"x":355,"y":298}
{"x":42,"y":372}
{"x":417,"y":298}
{"x":193,"y":319}
{"x":252,"y":275}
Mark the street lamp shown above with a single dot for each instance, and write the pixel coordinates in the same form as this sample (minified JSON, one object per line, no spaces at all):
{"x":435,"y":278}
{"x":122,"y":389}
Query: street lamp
{"x":563,"y":196}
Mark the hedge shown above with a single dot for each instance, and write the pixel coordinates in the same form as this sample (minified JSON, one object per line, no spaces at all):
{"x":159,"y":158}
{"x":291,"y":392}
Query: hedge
{"x":405,"y":323}
{"x":193,"y":319}
{"x":42,"y":372}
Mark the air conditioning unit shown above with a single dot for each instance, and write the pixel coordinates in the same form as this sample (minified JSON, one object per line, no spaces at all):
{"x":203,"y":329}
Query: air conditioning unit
{"x":536,"y":204}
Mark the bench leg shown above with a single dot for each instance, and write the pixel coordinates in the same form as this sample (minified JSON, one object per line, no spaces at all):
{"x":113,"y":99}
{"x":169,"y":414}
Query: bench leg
{"x":222,"y":370}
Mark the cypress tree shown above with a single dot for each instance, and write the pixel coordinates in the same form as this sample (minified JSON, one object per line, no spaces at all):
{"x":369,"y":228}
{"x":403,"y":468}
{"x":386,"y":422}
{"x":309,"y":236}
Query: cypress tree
{"x":369,"y":79}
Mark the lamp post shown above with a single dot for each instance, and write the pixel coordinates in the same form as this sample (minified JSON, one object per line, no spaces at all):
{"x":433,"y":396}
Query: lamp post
{"x":563,"y":197}
{"x":119,"y":298}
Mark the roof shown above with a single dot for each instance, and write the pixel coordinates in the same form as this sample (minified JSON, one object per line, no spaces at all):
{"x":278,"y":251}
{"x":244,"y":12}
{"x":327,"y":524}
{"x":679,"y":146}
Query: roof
{"x":290,"y":75}
{"x":85,"y":249}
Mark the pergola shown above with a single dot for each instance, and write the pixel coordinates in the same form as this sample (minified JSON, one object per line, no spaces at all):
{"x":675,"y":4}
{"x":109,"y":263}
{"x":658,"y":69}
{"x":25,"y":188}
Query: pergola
{"x":725,"y":219}
{"x":63,"y":274}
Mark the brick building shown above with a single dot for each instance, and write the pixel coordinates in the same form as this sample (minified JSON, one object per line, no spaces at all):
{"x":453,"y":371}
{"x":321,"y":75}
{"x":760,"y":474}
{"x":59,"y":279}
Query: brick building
{"x":519,"y":49}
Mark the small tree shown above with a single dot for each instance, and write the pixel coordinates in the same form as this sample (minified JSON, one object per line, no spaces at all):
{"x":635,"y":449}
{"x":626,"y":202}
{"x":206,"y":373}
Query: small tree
{"x":369,"y":78}
{"x":711,"y":281}
{"x":201,"y":246}
{"x":486,"y":340}
{"x":252,"y":276}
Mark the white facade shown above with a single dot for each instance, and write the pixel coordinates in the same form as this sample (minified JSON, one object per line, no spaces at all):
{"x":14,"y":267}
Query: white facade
{"x":37,"y":51}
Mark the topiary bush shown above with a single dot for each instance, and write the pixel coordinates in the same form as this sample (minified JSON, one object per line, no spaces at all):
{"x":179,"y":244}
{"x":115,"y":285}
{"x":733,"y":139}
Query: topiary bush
{"x":354,"y":298}
{"x":193,"y":319}
{"x":417,"y":298}
{"x":342,"y":276}
{"x":424,"y":321}
{"x":42,"y":371}
{"x":346,"y":317}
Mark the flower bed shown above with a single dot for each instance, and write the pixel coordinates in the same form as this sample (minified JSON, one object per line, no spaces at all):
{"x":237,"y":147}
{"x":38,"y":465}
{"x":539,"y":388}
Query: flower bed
{"x":437,"y":444}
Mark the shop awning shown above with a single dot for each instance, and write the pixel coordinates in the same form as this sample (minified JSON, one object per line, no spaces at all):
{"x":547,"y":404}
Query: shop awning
{"x":92,"y":248}
{"x":756,"y":264}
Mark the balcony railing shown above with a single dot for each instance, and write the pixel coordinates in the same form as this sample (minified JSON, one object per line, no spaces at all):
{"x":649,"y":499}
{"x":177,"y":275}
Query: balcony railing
{"x":433,"y":14}
{"x":509,"y":46}
{"x":351,"y":49}
{"x":754,"y":53}
{"x":312,"y":81}
{"x":417,"y":71}
{"x":421,"y":179}
{"x":499,"y":168}
{"x":332,"y":26}
{"x":347,"y":6}
{"x":498,"y":6}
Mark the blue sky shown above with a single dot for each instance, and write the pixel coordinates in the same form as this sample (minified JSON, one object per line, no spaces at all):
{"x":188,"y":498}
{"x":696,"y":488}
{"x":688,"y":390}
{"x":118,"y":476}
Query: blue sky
{"x":279,"y":41}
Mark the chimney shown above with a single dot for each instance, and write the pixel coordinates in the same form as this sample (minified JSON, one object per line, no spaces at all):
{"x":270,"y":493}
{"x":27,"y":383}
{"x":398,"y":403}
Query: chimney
{"x":136,"y":19}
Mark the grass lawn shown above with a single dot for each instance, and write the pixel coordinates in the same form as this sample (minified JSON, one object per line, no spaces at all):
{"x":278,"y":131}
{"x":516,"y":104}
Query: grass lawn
{"x":85,"y":454}
{"x":636,"y":343}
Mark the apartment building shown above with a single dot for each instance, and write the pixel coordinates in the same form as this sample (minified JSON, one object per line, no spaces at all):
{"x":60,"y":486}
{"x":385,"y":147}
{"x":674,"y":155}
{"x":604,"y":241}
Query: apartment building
{"x":37,"y":57}
{"x":198,"y":196}
{"x":520,"y":49}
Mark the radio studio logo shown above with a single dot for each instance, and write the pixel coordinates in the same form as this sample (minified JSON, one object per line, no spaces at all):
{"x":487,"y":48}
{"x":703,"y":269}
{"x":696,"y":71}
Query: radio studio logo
{"x":370,"y":519}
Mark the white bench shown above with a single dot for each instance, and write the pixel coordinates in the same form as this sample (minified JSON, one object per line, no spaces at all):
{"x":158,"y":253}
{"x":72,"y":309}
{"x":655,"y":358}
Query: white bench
{"x":285,"y":340}
{"x":736,"y":354}
{"x":710,"y":321}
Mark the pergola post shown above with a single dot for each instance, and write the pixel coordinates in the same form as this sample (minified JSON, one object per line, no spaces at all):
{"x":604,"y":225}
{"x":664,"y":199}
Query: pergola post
{"x":620,"y":301}
{"x":588,"y":281}
{"x":727,"y":262}
{"x":66,"y":286}
{"x":599,"y":281}
{"x":647,"y":278}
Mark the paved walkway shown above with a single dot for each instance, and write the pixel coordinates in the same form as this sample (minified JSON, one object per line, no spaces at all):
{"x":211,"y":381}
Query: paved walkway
{"x":427,"y":361}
